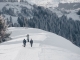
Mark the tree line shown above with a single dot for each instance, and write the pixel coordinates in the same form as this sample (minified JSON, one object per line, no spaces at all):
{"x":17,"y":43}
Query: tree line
{"x":45,"y":19}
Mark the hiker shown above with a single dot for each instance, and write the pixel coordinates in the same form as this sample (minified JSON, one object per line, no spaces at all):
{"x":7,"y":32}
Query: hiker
{"x":31,"y":42}
{"x":24,"y":42}
{"x":28,"y":37}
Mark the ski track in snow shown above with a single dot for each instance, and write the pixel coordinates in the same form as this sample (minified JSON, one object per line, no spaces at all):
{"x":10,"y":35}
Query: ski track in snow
{"x":14,"y":50}
{"x":29,"y":53}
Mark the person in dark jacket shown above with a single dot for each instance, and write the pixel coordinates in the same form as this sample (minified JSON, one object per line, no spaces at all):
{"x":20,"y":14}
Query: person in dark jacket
{"x":28,"y":37}
{"x":31,"y":42}
{"x":24,"y":42}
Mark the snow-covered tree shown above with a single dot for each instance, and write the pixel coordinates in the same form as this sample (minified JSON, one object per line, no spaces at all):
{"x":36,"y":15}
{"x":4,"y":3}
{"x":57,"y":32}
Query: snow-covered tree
{"x":3,"y":29}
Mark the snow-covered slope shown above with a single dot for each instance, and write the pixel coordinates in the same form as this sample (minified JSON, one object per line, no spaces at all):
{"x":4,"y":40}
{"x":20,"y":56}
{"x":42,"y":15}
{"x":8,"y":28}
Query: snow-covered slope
{"x":51,"y":3}
{"x":73,"y":14}
{"x":46,"y":46}
{"x":54,"y":3}
{"x":69,"y":13}
{"x":16,"y":8}
{"x":48,"y":3}
{"x":45,"y":3}
{"x":69,"y":1}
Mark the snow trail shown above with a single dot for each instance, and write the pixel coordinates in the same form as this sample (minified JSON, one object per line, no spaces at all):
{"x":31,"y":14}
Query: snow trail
{"x":46,"y":46}
{"x":29,"y":53}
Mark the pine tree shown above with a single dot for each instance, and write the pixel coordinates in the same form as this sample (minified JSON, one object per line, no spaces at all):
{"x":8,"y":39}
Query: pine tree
{"x":3,"y":28}
{"x":78,"y":12}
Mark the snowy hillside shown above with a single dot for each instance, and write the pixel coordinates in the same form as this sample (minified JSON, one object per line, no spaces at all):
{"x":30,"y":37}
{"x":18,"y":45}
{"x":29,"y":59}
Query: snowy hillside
{"x":51,"y":3}
{"x":69,"y":1}
{"x":19,"y":8}
{"x":14,"y":9}
{"x":55,"y":3}
{"x":69,"y":13}
{"x":46,"y":46}
{"x":45,"y":3}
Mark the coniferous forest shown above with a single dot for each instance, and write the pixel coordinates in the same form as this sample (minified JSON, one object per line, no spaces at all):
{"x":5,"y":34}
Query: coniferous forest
{"x":44,"y":19}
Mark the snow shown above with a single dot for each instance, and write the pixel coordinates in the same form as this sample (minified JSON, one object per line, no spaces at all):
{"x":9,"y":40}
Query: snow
{"x":15,"y":5}
{"x":54,"y":53}
{"x":50,"y":3}
{"x":70,"y":13}
{"x":14,"y":18}
{"x":69,"y":1}
{"x":46,"y":46}
{"x":73,"y":15}
{"x":59,"y":14}
{"x":45,"y":3}
{"x":28,"y":53}
{"x":17,"y":9}
{"x":1,"y":5}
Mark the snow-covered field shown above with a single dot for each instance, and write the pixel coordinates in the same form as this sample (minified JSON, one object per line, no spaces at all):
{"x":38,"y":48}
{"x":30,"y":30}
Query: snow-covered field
{"x":46,"y":46}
